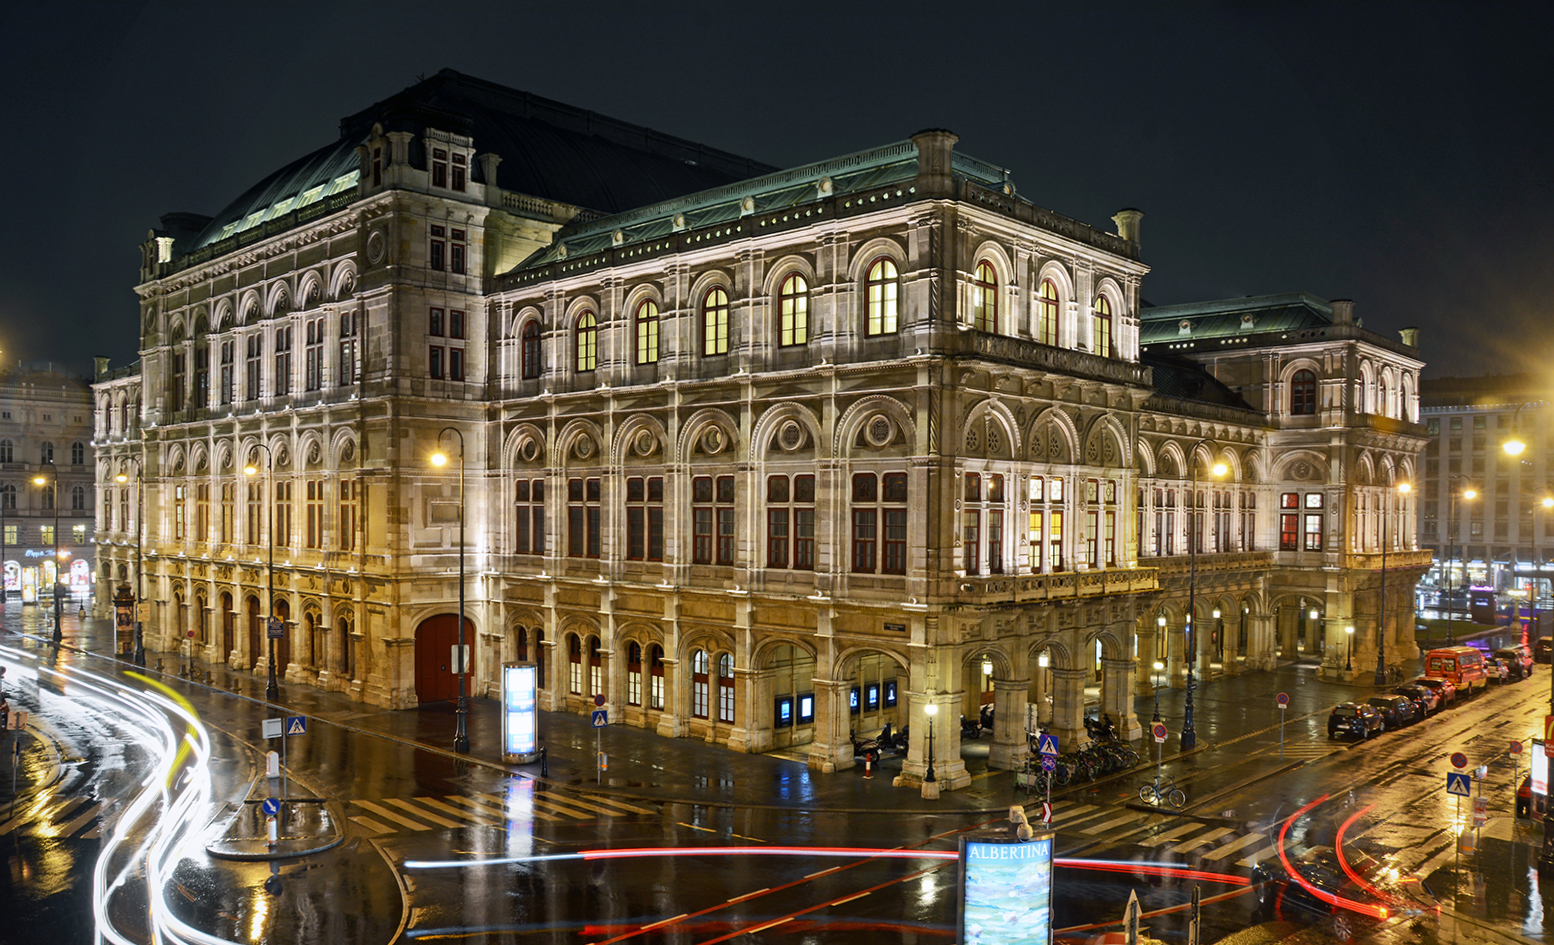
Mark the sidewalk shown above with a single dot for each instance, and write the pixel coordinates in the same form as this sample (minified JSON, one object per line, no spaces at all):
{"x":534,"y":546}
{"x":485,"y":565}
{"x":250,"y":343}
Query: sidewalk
{"x":645,"y":765}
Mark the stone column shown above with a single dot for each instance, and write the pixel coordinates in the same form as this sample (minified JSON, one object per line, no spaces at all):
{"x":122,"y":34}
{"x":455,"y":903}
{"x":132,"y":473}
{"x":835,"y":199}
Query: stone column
{"x":1149,"y":650}
{"x":672,"y":723}
{"x":1008,"y":748}
{"x":831,"y":748}
{"x":1176,"y":661}
{"x":1259,"y":642}
{"x":1287,"y":618}
{"x":1117,"y":677}
{"x":949,"y":769}
{"x":1068,"y":707}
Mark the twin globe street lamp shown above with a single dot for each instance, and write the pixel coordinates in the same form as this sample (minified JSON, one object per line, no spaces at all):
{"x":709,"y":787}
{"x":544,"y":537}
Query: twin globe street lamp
{"x":272,"y":689}
{"x":138,"y":654}
{"x":1194,"y":536}
{"x":53,"y":495}
{"x":461,"y":727}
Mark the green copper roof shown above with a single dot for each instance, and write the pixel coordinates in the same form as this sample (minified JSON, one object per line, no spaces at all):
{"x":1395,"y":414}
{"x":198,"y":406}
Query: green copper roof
{"x":1253,"y":315}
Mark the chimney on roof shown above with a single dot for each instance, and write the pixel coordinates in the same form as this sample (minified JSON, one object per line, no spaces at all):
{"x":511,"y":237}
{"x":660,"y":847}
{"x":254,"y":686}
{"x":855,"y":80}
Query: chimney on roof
{"x":1127,"y":220}
{"x":1410,"y":336}
{"x":935,"y":150}
{"x":102,"y":365}
{"x":1343,"y":311}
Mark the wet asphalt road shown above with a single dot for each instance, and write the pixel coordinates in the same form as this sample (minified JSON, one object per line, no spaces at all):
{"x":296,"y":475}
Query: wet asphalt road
{"x":409,"y":806}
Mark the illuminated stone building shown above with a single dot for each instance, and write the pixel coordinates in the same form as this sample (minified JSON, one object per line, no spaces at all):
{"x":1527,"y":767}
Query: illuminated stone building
{"x":759,"y":456}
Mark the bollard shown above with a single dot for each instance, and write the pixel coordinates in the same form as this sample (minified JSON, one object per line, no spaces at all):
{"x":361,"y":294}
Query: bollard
{"x":270,"y":830}
{"x":544,"y":762}
{"x":159,"y":666}
{"x":868,"y":766}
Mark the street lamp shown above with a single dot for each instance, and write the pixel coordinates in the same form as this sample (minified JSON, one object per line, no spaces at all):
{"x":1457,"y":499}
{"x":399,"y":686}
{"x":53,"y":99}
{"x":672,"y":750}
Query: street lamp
{"x":1381,"y":616}
{"x":1468,"y":494}
{"x":931,"y":710}
{"x":1195,"y":526}
{"x":460,"y":729}
{"x":1158,"y":667}
{"x":1349,"y":660}
{"x":59,"y":634}
{"x":272,"y":689}
{"x":138,"y":655}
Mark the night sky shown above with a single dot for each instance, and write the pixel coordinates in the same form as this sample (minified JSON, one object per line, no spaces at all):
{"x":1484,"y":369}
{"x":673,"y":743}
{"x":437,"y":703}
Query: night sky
{"x":1401,"y":155}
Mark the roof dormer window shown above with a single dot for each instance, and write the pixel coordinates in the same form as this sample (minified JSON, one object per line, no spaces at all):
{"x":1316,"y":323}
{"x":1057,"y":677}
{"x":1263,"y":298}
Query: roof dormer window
{"x":439,"y":167}
{"x":460,"y":172}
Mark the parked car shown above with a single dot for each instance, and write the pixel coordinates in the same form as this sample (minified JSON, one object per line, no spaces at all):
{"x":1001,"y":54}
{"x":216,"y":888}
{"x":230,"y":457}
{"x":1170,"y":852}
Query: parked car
{"x":1396,"y":711}
{"x":1348,"y":897}
{"x":1355,"y":718}
{"x":1447,"y":691}
{"x":1498,"y":671}
{"x":1543,"y":650}
{"x":1428,"y":700}
{"x":1519,"y":657}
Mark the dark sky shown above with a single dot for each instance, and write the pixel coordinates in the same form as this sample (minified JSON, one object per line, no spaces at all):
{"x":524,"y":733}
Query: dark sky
{"x":1401,"y":155}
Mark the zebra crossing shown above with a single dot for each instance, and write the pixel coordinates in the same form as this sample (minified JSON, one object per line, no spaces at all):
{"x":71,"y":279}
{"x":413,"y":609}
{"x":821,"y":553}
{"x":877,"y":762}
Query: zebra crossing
{"x":415,"y":814}
{"x":1211,"y":842}
{"x":47,"y":816}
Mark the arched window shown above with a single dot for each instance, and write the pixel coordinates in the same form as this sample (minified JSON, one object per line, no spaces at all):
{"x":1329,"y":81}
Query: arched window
{"x":1303,"y":392}
{"x":8,"y":496}
{"x":46,"y":451}
{"x":634,"y":674}
{"x":714,"y":321}
{"x":984,"y":298}
{"x":7,"y":451}
{"x":539,"y":657}
{"x":656,"y":677}
{"x":575,"y":665}
{"x":587,"y":342}
{"x":595,"y":668}
{"x":77,"y":453}
{"x":1382,"y":406}
{"x":647,"y":332}
{"x":1047,"y":313}
{"x":725,"y":688}
{"x":1103,"y":326}
{"x":880,"y":289}
{"x":699,"y":687}
{"x":520,"y":645}
{"x":531,"y":350}
{"x":793,"y":313}
{"x":78,"y":498}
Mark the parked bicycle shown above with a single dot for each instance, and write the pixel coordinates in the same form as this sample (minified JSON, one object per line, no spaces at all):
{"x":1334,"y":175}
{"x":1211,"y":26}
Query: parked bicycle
{"x":1162,"y":790}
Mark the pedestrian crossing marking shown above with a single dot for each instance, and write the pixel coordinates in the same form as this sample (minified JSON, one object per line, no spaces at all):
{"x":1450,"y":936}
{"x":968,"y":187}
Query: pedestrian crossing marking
{"x":621,"y":804}
{"x":1128,"y":818}
{"x":373,"y":825}
{"x":1202,"y":840}
{"x":387,"y":814}
{"x":495,"y":808}
{"x":81,"y":821}
{"x":575,"y":802}
{"x":42,"y":811}
{"x":478,"y":817}
{"x":1161,"y":839}
{"x":418,"y":812}
{"x":1219,"y":853}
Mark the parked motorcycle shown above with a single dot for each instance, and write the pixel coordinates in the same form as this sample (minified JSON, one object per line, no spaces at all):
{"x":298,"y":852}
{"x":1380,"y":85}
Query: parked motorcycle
{"x":870,"y":748}
{"x":970,"y":728}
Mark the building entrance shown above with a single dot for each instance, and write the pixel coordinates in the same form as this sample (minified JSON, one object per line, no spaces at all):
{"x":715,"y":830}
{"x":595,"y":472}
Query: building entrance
{"x":435,"y":638}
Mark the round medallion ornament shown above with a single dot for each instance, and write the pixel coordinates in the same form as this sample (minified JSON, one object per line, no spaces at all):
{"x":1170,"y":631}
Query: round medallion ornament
{"x":712,"y":441}
{"x":1301,"y":471}
{"x":790,"y":436}
{"x":584,"y":447}
{"x":644,"y":443}
{"x":878,"y":431}
{"x":528,"y":449}
{"x":376,"y":246}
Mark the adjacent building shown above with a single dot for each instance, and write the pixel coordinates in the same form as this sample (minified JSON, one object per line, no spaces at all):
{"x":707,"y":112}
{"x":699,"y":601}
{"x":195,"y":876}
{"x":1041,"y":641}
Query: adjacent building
{"x":757,"y":456}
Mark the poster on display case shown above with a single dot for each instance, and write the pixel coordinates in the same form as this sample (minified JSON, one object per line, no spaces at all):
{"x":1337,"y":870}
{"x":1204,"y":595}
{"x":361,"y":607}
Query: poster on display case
{"x":520,"y":712}
{"x":1005,"y":892}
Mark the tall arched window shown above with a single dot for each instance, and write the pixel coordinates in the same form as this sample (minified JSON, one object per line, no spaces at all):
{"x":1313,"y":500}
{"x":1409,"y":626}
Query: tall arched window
{"x":574,"y":665}
{"x":984,"y":298}
{"x":1382,"y":407}
{"x":725,"y":688}
{"x":587,"y":342}
{"x":46,"y":452}
{"x":1047,"y":313}
{"x":1103,"y":326}
{"x":793,"y":312}
{"x":634,"y":674}
{"x":595,"y":668}
{"x":7,"y":451}
{"x":655,"y":677}
{"x":77,"y":498}
{"x":881,"y":288}
{"x":714,"y":322}
{"x":1303,"y":392}
{"x":647,"y":332}
{"x":531,"y":350}
{"x":699,"y":687}
{"x":77,"y":454}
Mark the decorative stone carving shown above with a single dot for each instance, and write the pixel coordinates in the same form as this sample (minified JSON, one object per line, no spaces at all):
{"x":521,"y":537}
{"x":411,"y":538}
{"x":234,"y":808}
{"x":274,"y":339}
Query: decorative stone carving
{"x":528,"y":449}
{"x":644,"y":443}
{"x":791,"y":436}
{"x":713,"y":441}
{"x":583,"y":446}
{"x":878,"y":431}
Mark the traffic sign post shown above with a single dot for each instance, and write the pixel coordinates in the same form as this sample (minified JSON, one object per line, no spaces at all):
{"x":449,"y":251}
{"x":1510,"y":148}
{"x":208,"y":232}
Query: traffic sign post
{"x":1458,"y":785}
{"x":1459,"y":760}
{"x":1283,"y":699}
{"x":1046,"y":813}
{"x":1158,"y":731}
{"x":601,"y":718}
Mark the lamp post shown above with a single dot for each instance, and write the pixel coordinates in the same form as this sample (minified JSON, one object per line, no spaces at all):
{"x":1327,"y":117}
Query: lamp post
{"x":460,"y":729}
{"x":59,"y":634}
{"x":1194,"y":525}
{"x":138,"y":653}
{"x":1158,"y":667}
{"x":1381,"y":615}
{"x":1349,"y":660}
{"x":930,"y":710}
{"x":1451,"y":533}
{"x":272,"y":689}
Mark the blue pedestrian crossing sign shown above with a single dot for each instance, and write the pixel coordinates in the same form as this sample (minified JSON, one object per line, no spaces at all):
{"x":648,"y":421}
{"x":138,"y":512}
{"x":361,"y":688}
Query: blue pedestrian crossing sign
{"x":601,"y":718}
{"x":1459,"y":784}
{"x":1047,"y":744}
{"x":297,"y":725}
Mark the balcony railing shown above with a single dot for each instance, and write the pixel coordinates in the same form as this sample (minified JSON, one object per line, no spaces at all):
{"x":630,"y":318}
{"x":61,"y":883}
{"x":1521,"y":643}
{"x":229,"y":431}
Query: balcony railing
{"x":1062,"y":585}
{"x":1178,"y":566}
{"x":1371,"y":561}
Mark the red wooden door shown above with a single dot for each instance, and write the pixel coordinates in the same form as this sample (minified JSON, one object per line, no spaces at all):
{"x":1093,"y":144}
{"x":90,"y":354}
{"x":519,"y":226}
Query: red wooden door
{"x":283,"y":645}
{"x":255,"y":632}
{"x":435,"y":680}
{"x":227,"y":618}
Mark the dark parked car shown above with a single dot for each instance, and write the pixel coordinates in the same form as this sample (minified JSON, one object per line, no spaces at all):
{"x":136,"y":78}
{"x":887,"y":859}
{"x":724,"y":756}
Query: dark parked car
{"x":1354,"y":718}
{"x":1428,"y":700}
{"x":1445,"y":687}
{"x":1396,"y":711}
{"x":1543,"y":650}
{"x":1519,"y":658}
{"x":1346,"y":903}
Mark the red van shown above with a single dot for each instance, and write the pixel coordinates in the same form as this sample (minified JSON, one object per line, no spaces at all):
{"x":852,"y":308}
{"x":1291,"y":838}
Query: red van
{"x":1463,"y":665}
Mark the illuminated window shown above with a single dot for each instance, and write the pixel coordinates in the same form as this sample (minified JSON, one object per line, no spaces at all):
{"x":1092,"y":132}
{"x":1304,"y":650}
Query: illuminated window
{"x":656,"y":678}
{"x":350,"y":502}
{"x":793,"y":311}
{"x":1103,"y":326}
{"x":699,"y":687}
{"x":880,"y":290}
{"x":725,"y":688}
{"x":714,"y":322}
{"x":1047,"y":313}
{"x":634,"y":674}
{"x":587,"y":342}
{"x":647,"y":332}
{"x":574,"y":665}
{"x":984,"y":298}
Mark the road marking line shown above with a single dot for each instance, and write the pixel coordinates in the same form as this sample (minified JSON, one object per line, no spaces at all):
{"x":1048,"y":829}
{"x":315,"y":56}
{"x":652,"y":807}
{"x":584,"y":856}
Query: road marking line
{"x":1097,"y":828}
{"x":584,"y":805}
{"x":491,"y":805}
{"x":373,"y":825}
{"x":647,"y":928}
{"x":749,"y":895}
{"x":1202,"y":840}
{"x":1161,"y":839}
{"x":81,"y":821}
{"x":478,"y":816}
{"x":424,"y":815}
{"x":694,"y":827}
{"x":44,"y":810}
{"x":621,"y":804}
{"x":1219,"y":853}
{"x":774,"y":922}
{"x":387,"y":814}
{"x":822,"y":872}
{"x":850,"y":898}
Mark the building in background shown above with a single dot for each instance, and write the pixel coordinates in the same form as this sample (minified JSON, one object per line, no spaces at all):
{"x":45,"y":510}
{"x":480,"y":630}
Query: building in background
{"x":757,"y":456}
{"x":1503,"y":536}
{"x":46,"y":430}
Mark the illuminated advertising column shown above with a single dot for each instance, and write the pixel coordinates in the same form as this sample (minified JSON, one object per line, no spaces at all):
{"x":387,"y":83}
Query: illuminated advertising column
{"x":520,"y":713}
{"x":1006,"y":891}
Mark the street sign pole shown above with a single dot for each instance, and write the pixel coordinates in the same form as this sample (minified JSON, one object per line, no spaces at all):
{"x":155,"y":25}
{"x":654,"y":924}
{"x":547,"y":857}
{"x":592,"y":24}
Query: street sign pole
{"x":1283,"y":700}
